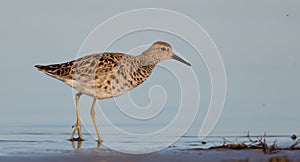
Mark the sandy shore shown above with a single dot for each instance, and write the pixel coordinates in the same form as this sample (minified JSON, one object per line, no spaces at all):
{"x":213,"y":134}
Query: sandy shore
{"x":95,"y":155}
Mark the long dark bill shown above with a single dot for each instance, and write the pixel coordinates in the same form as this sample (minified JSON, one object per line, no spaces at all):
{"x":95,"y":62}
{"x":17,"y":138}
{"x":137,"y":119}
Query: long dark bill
{"x":175,"y":57}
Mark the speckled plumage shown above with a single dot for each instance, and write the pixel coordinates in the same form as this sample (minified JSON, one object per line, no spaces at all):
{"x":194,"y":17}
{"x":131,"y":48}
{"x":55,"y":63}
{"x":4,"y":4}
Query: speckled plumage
{"x":107,"y":75}
{"x":101,"y":75}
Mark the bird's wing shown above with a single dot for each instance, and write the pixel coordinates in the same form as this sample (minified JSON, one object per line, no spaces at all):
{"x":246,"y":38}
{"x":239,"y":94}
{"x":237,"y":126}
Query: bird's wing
{"x":94,"y":66}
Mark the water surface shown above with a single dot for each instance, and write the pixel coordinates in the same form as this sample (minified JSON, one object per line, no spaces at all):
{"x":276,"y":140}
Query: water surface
{"x":27,"y":140}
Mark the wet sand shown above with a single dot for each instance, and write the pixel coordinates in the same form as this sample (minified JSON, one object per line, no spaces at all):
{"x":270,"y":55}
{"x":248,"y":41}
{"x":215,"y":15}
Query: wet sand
{"x":96,"y":155}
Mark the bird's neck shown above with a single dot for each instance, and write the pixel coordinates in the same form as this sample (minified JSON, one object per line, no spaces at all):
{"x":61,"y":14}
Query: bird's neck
{"x":146,"y":59}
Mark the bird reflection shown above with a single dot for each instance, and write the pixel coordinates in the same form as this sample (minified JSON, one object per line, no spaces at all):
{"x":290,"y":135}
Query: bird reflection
{"x":76,"y":145}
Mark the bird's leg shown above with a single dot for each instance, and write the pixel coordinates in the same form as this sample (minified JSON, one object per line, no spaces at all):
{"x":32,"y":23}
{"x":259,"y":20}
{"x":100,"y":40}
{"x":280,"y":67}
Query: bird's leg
{"x":77,"y":126}
{"x":92,"y":112}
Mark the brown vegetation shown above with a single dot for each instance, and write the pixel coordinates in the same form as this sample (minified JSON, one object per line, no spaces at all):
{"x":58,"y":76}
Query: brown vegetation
{"x":254,"y":143}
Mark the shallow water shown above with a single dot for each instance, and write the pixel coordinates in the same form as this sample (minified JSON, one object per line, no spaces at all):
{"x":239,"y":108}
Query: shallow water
{"x":15,"y":141}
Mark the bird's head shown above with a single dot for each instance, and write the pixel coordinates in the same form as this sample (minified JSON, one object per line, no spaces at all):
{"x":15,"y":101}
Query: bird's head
{"x":161,"y":50}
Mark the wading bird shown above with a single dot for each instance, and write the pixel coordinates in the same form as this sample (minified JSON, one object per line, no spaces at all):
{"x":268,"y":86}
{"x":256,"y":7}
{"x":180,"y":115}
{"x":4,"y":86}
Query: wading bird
{"x":107,"y":75}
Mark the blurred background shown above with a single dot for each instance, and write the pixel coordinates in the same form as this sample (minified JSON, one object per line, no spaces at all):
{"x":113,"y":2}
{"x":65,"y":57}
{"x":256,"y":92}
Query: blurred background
{"x":258,"y":42}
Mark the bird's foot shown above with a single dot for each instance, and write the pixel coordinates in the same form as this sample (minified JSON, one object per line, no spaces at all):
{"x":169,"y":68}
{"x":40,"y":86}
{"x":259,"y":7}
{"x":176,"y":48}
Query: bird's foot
{"x":76,"y":139}
{"x":78,"y":129}
{"x":99,"y":141}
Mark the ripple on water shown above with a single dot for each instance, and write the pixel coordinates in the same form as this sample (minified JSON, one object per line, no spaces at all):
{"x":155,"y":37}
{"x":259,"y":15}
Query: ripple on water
{"x":23,"y":141}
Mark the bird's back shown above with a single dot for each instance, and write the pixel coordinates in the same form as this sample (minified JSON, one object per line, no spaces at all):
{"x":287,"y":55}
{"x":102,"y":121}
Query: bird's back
{"x":100,"y":75}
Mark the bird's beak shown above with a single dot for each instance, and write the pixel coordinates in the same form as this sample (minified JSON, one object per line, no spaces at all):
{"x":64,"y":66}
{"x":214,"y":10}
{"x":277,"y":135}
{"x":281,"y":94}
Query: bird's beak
{"x":175,"y":57}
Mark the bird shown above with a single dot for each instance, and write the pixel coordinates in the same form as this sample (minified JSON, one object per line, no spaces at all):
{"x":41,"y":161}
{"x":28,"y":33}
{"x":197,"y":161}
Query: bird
{"x":106,"y":75}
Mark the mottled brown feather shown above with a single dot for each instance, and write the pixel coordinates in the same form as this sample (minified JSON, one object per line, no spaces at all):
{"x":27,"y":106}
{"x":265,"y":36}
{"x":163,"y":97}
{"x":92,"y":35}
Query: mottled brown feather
{"x":106,"y":75}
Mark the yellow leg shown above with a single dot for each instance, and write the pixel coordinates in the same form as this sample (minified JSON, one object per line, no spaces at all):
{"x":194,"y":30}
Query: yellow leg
{"x":77,"y":126}
{"x":92,"y":112}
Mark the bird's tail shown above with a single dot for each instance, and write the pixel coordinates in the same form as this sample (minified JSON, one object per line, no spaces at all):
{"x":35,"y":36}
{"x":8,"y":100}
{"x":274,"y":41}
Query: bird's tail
{"x":56,"y":70}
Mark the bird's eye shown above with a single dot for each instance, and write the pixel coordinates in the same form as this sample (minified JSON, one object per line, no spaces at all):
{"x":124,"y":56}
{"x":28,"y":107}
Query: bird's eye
{"x":163,"y":48}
